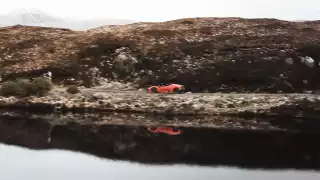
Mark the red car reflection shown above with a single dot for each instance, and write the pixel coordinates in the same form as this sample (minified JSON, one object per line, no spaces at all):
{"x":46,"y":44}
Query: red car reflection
{"x":166,"y":130}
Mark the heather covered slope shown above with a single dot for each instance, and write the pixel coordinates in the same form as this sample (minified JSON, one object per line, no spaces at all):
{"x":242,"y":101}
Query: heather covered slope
{"x":214,"y":54}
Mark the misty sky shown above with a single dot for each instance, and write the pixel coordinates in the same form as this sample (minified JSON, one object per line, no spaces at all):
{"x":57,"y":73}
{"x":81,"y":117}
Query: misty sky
{"x":160,"y":10}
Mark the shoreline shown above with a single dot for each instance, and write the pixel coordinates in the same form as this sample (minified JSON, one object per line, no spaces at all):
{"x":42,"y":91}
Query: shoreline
{"x":224,"y":104}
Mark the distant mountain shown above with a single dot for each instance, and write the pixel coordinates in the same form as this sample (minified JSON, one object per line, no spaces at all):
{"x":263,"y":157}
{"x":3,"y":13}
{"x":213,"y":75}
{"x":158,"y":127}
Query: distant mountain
{"x":39,"y":18}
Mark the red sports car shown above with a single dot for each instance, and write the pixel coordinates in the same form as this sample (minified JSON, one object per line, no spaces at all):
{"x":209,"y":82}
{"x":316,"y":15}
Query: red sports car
{"x":173,"y":88}
{"x":166,"y":130}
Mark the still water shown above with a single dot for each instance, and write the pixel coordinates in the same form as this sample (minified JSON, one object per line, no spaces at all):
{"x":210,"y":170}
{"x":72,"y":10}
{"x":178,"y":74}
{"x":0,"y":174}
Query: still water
{"x":23,"y":164}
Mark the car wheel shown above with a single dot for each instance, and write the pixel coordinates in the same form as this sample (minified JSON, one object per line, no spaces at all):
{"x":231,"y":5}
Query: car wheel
{"x":154,"y":90}
{"x":176,"y":90}
{"x":174,"y":129}
{"x":153,"y":129}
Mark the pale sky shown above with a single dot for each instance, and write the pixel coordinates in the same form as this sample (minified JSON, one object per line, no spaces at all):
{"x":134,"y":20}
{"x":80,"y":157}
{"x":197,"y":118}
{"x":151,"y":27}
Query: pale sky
{"x":160,"y":10}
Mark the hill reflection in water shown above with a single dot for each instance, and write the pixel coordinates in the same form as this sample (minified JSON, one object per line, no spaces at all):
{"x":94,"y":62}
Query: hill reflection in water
{"x":292,"y":145}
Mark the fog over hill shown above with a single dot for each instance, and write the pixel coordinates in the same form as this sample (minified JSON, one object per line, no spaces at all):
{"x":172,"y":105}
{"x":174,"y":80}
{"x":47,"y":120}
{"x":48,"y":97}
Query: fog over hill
{"x":33,"y":17}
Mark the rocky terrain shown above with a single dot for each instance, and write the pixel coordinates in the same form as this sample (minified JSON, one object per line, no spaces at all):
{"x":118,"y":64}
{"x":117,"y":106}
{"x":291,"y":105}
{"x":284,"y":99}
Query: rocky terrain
{"x":204,"y":54}
{"x":104,"y":100}
{"x":221,"y":55}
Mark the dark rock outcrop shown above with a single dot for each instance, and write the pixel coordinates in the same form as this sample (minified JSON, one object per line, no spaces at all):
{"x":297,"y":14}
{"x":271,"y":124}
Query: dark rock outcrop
{"x":205,"y":54}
